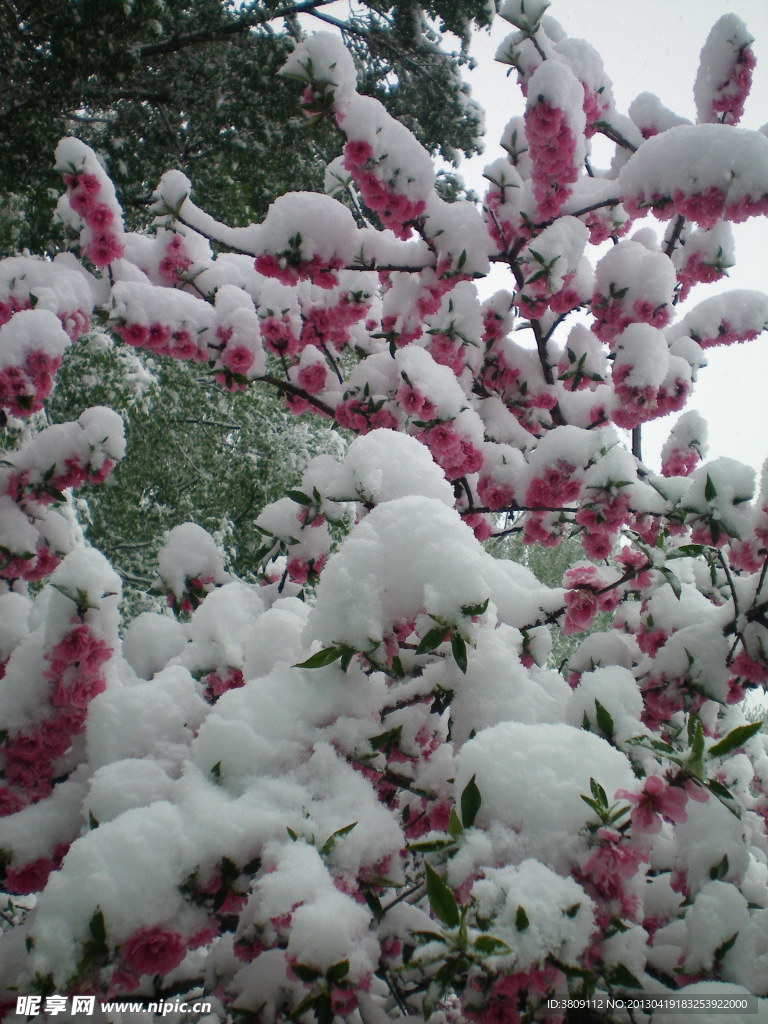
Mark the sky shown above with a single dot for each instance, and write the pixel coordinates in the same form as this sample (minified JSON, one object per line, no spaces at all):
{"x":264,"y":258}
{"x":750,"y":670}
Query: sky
{"x":654,"y":46}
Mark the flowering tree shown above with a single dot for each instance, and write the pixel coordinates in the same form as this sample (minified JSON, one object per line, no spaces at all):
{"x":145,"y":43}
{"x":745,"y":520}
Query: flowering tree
{"x":360,"y":791}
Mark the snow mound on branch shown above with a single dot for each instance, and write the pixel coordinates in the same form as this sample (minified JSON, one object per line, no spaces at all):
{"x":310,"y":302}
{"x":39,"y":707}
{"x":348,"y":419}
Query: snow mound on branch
{"x":320,"y":226}
{"x":497,"y":688}
{"x":412,"y":556}
{"x":150,"y":641}
{"x":531,"y":779}
{"x":385,"y":465}
{"x":695,"y":160}
{"x":189,"y":552}
{"x":31,"y":330}
{"x":323,"y":58}
{"x":559,"y":914}
{"x":737,"y":315}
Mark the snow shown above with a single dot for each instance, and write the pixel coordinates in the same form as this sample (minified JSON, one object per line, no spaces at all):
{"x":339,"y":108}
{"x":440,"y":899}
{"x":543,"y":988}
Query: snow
{"x":616,"y":690}
{"x":731,"y":316}
{"x":189,"y":553}
{"x":692,"y":159}
{"x":300,"y":789}
{"x":385,"y":465}
{"x":727,"y":38}
{"x":551,"y":765}
{"x":31,"y":330}
{"x":150,"y":641}
{"x":710,"y":834}
{"x":496,"y":688}
{"x":554,"y":928}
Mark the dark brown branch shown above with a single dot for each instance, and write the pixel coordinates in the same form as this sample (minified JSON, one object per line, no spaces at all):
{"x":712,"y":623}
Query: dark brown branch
{"x":291,"y":389}
{"x":637,"y":443}
{"x":675,"y":236}
{"x":233,"y":28}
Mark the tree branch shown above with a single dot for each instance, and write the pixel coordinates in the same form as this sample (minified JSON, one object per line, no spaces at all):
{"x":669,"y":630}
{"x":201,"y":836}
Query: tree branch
{"x":233,"y":28}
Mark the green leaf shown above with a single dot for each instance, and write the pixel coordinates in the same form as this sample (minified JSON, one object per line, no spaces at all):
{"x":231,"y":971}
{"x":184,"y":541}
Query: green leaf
{"x":710,"y":491}
{"x":621,"y":975}
{"x":293,"y":835}
{"x":331,"y":841}
{"x":489,"y":945}
{"x":734,"y":739}
{"x":98,"y":929}
{"x":322,"y":658}
{"x":471,"y":610}
{"x":604,"y":720}
{"x":573,"y":910}
{"x":299,"y":497}
{"x":93,"y":821}
{"x":688,"y":551}
{"x":720,"y":870}
{"x":455,"y":827}
{"x":521,"y":919}
{"x":459,"y":651}
{"x":441,"y":899}
{"x":593,"y":804}
{"x":374,"y":904}
{"x":215,"y":772}
{"x":427,"y":936}
{"x":470,"y":803}
{"x":396,"y":669}
{"x":598,"y":792}
{"x":337,"y":972}
{"x":720,"y":791}
{"x":438,"y":986}
{"x":432,"y":639}
{"x":386,"y":740}
{"x":672,"y":580}
{"x":431,"y":845}
{"x":324,"y":1009}
{"x":308,"y":974}
{"x":696,"y":758}
{"x":723,"y":948}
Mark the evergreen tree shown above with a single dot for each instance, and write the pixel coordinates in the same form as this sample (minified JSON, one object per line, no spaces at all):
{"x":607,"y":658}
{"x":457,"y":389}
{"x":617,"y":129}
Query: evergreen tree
{"x":193,"y":84}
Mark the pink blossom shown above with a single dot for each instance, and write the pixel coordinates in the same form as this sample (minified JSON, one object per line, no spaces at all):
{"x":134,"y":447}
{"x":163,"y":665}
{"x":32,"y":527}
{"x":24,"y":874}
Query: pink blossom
{"x":656,"y":800}
{"x":581,"y":606}
{"x":32,"y":877}
{"x":357,"y":153}
{"x":611,"y":864}
{"x":705,"y":208}
{"x":10,"y":801}
{"x":153,"y":951}
{"x":749,"y":668}
{"x":102,"y":248}
{"x":493,"y":494}
{"x":680,"y":462}
{"x":480,"y":525}
{"x":312,"y":378}
{"x":99,"y":217}
{"x":238,"y":359}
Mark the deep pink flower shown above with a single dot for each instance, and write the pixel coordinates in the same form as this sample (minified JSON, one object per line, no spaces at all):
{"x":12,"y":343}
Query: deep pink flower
{"x":99,"y":217}
{"x":357,"y":153}
{"x":32,"y":877}
{"x":313,"y":378}
{"x":656,"y":800}
{"x":102,"y":248}
{"x":581,"y":607}
{"x":238,"y":359}
{"x":749,"y":668}
{"x":153,"y":951}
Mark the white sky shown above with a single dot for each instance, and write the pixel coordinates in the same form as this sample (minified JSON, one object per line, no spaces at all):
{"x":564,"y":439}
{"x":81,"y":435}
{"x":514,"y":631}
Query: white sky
{"x":653,"y":46}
